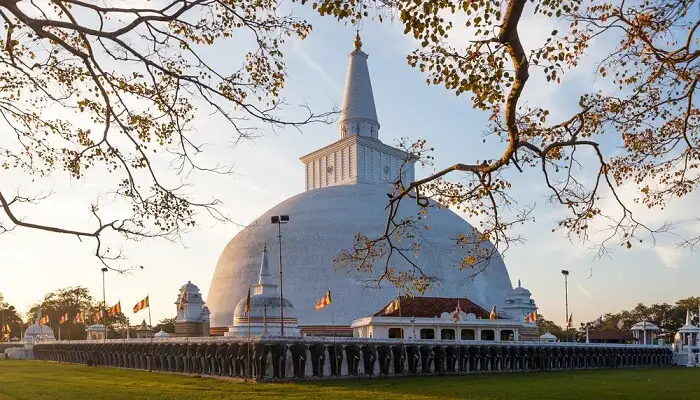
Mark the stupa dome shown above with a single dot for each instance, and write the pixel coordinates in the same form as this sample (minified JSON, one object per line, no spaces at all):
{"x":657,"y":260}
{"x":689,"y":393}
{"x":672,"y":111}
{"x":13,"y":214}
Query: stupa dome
{"x":257,"y":307}
{"x":38,"y":332}
{"x":322,"y":223}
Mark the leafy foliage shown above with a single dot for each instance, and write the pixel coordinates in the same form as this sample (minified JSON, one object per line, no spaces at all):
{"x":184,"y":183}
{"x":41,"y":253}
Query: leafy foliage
{"x":165,"y":324}
{"x":652,"y":72}
{"x":668,"y":317}
{"x":11,"y":317}
{"x":544,"y":325}
{"x":88,"y":86}
{"x":73,"y":300}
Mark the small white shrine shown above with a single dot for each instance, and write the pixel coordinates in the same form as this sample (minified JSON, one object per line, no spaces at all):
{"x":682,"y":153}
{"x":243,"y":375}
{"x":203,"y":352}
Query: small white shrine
{"x":192,"y":314}
{"x":263,"y":318}
{"x":143,"y":330}
{"x":644,"y":332}
{"x":518,"y":304}
{"x":95,"y":332}
{"x":161,"y":335}
{"x":548,"y":337}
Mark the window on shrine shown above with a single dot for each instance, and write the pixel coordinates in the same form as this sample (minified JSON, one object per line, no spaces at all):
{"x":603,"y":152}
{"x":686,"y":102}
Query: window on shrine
{"x":487,"y":334}
{"x":395,"y":333}
{"x":468,"y":334}
{"x":447,"y":334}
{"x":427,"y":334}
{"x":507,"y":335}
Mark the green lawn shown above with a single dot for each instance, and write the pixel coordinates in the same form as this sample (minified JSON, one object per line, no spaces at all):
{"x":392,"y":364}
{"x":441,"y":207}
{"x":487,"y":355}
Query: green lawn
{"x":38,"y":380}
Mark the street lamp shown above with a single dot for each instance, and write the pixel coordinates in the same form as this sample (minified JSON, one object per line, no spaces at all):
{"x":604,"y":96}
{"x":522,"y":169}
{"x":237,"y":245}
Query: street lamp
{"x":566,"y":297}
{"x":104,"y":305}
{"x":279,"y":220}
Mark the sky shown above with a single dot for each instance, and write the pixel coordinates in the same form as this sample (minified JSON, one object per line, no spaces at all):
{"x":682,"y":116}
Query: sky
{"x":268,"y":170}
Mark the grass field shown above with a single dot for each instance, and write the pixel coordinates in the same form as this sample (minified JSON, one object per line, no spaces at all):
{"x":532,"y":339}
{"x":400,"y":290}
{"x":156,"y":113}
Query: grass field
{"x":34,"y":380}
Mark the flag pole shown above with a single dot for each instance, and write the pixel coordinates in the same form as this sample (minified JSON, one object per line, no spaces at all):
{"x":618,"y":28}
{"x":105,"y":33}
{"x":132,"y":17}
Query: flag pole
{"x":335,"y":355}
{"x":249,"y":366}
{"x":459,"y":340}
{"x":332,"y":317}
{"x":150,"y":324}
{"x":398,"y":298}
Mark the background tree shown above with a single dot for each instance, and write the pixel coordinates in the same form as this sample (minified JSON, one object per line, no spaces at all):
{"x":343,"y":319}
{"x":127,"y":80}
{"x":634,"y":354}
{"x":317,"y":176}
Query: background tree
{"x":72,"y":300}
{"x":544,"y":325}
{"x":116,"y":326}
{"x":646,"y":108}
{"x":113,"y":88}
{"x":668,"y":317}
{"x":11,"y":317}
{"x":165,"y":324}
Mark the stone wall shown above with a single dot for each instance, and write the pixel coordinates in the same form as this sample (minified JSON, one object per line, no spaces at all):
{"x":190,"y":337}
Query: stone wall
{"x":278,"y":358}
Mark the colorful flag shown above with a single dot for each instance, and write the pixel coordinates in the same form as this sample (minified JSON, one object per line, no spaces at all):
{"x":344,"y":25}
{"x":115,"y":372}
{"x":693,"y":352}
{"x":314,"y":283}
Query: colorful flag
{"x":620,"y":324}
{"x":493,"y":314}
{"x":323,"y":301}
{"x":99,"y":315}
{"x":531,"y":317}
{"x":247,"y":303}
{"x":569,"y":322}
{"x":393,"y":306}
{"x":115,"y":309}
{"x":79,"y":318}
{"x":182,"y":302}
{"x":141,"y":305}
{"x":44,"y":320}
{"x":6,"y":331}
{"x":455,"y":314}
{"x":63,"y":318}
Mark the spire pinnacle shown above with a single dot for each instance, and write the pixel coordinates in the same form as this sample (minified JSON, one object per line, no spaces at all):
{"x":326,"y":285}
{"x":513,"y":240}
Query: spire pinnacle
{"x":358,"y":41}
{"x":519,"y":283}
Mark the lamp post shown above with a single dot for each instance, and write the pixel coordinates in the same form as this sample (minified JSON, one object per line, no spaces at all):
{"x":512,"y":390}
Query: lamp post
{"x":279,"y":220}
{"x":104,"y":305}
{"x":566,"y":297}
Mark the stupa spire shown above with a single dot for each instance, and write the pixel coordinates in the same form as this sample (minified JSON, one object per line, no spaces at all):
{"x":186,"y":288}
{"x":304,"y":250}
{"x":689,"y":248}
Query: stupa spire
{"x":358,"y":114}
{"x":264,"y":277}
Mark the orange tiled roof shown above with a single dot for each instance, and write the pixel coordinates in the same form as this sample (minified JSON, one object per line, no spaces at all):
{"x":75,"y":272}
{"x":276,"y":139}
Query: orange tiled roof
{"x":429,"y":307}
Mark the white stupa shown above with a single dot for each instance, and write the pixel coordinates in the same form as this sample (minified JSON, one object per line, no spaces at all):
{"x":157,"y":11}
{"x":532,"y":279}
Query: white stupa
{"x":548,"y":337}
{"x":161,"y":335}
{"x":689,"y":333}
{"x":263,"y":318}
{"x":346,"y":192}
{"x":38,"y":331}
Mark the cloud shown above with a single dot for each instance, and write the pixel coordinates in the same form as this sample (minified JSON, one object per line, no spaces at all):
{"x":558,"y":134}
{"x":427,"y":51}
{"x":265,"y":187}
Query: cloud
{"x":314,"y":65}
{"x":584,"y":291}
{"x":669,"y":256}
